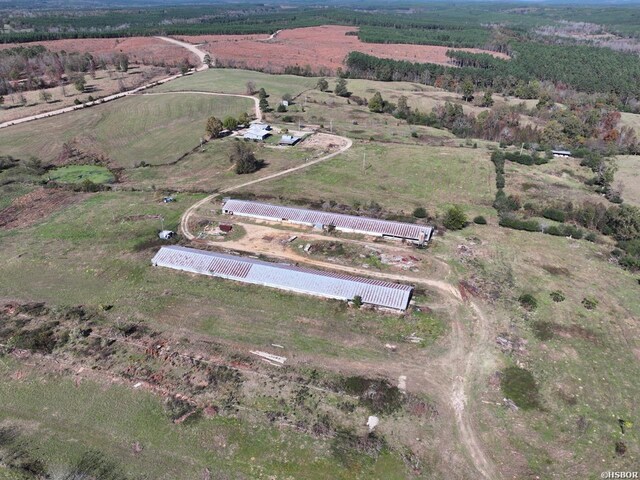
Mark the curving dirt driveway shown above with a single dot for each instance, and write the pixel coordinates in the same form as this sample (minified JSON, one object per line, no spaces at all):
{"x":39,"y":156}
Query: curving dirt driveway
{"x":184,"y":221}
{"x":193,"y":49}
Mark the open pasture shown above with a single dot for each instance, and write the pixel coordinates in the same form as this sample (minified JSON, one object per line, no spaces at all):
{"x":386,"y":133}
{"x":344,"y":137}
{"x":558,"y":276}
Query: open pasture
{"x":155,"y":129}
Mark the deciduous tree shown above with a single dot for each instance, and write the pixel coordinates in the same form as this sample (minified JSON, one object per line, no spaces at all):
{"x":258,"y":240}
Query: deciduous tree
{"x":214,"y":127}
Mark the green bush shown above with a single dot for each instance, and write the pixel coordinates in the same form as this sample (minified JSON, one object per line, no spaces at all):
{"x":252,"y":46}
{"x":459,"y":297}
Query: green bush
{"x":528,"y":301}
{"x":480,"y":220}
{"x":455,"y":218}
{"x":357,"y":301}
{"x":553,"y":214}
{"x":557,"y":296}
{"x":420,"y":212}
{"x":590,"y":303}
{"x":516,"y":224}
{"x":519,"y":385}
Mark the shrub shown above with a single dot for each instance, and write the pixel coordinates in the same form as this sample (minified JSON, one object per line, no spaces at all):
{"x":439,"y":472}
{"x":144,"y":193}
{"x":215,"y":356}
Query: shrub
{"x":176,"y":408}
{"x":414,"y":134}
{"x":519,"y":385}
{"x":281,"y":108}
{"x":502,"y":203}
{"x":591,"y":237}
{"x":420,"y":212}
{"x":480,"y":220}
{"x":528,"y":301}
{"x":542,"y":330}
{"x":455,"y":218}
{"x":590,"y":303}
{"x":557,"y":296}
{"x":553,"y":230}
{"x":377,"y":395}
{"x":43,"y":339}
{"x":553,"y":214}
{"x":516,"y":224}
{"x":500,"y":182}
{"x":357,"y":301}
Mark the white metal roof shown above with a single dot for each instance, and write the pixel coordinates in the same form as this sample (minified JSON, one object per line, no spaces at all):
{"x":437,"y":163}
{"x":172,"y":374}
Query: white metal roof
{"x":285,"y":277}
{"x":374,"y":226}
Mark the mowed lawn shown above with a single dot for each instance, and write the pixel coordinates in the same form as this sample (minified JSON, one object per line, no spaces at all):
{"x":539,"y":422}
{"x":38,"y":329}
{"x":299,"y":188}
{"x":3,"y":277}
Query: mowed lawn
{"x":628,"y":175}
{"x":229,"y":80}
{"x":398,"y":177}
{"x":155,"y":129}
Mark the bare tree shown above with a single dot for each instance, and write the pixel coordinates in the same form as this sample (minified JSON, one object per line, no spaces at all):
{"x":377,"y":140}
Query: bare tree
{"x":251,"y":87}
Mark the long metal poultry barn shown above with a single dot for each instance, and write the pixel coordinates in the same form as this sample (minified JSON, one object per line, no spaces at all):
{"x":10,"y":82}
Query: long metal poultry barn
{"x":381,"y":294}
{"x":419,"y":234}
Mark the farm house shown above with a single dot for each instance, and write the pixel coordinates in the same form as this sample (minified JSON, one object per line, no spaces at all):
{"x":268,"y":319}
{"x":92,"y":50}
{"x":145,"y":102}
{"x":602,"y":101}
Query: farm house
{"x":257,"y":132}
{"x":338,"y":286}
{"x":419,"y":234}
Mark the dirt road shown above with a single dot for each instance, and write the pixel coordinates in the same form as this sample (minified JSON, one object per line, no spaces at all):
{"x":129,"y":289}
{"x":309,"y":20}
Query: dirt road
{"x":464,"y":356}
{"x":184,"y":221}
{"x":193,"y":49}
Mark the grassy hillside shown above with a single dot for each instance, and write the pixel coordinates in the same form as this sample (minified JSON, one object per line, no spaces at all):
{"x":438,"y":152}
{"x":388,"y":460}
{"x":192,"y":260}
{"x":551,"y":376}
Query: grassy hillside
{"x":235,"y":81}
{"x":154,"y":129}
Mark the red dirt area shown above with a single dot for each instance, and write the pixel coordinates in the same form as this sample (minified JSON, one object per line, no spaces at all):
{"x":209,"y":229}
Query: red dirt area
{"x":145,"y":50}
{"x":34,"y":206}
{"x":322,"y":48}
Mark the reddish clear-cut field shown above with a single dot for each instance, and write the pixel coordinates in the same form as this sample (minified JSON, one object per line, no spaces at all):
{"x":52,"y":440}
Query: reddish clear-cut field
{"x":319,"y":47}
{"x":147,"y":50}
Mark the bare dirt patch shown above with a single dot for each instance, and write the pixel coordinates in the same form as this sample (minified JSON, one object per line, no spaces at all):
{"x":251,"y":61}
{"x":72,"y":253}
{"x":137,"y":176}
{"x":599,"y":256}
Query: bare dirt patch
{"x":34,"y":206}
{"x":323,"y":48}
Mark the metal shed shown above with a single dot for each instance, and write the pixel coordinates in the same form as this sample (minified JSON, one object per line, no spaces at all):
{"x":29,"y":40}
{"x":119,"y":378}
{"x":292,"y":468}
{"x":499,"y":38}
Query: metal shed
{"x":285,"y":277}
{"x":289,"y":140}
{"x":346,"y":223}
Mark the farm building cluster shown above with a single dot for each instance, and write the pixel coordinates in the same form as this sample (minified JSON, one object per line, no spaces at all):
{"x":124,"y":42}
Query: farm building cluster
{"x":308,"y":281}
{"x":417,"y":234}
{"x":259,"y":132}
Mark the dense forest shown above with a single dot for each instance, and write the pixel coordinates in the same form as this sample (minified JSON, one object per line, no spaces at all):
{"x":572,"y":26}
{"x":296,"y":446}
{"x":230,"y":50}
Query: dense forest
{"x":503,"y":27}
{"x":592,"y":70}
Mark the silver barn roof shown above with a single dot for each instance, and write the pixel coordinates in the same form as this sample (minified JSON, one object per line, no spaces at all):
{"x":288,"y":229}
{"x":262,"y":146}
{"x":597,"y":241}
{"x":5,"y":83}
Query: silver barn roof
{"x":352,"y":223}
{"x":286,"y":277}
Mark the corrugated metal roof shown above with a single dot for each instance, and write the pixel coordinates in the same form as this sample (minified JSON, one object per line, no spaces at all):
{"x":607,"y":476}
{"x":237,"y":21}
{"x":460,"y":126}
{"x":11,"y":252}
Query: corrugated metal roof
{"x":284,"y":276}
{"x":313,"y":217}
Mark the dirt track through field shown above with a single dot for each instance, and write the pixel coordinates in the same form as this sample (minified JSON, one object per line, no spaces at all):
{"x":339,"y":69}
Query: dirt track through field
{"x":464,"y":354}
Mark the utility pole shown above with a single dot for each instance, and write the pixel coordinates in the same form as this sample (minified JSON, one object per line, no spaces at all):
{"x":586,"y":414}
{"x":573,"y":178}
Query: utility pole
{"x":521,"y":148}
{"x":331,"y":126}
{"x":364,"y":162}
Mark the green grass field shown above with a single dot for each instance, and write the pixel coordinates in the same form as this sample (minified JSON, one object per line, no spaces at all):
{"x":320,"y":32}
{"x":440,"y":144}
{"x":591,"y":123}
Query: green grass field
{"x":235,"y":81}
{"x":80,"y":173}
{"x":154,"y":129}
{"x":398,"y":177}
{"x":628,"y":175}
{"x":60,"y":421}
{"x":89,"y":254}
{"x":209,"y":169}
